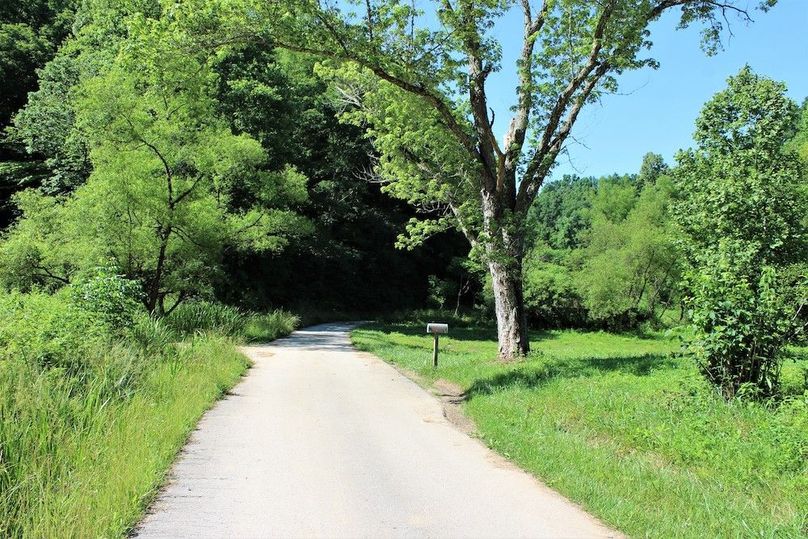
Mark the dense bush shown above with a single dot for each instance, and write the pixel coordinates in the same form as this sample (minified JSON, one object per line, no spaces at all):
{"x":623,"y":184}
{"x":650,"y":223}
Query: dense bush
{"x":552,"y":298}
{"x":113,"y":299}
{"x":202,"y":316}
{"x":620,"y":267}
{"x":741,"y":209}
{"x":741,"y":325}
{"x":47,"y":331}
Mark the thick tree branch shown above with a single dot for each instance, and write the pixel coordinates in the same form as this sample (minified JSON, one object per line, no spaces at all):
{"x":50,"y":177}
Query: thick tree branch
{"x":50,"y":274}
{"x":489,"y":150}
{"x":180,"y":297}
{"x":517,"y":130}
{"x":166,"y":168}
{"x":464,"y":229}
{"x":188,"y":191}
{"x":657,"y":10}
{"x":543,"y":159}
{"x":579,"y":89}
{"x":548,"y":147}
{"x":580,"y":77}
{"x":444,"y":111}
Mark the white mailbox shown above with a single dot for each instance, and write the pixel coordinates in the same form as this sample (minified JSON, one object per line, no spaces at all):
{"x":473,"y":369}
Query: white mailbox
{"x":437,"y":328}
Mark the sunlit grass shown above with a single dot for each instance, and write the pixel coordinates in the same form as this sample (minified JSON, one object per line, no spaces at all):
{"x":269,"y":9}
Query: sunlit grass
{"x":91,"y":417}
{"x":626,"y":427}
{"x":80,"y":463}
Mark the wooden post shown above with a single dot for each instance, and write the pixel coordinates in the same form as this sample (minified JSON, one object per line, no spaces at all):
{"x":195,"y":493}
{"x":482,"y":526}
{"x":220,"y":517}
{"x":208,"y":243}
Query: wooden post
{"x":435,"y":330}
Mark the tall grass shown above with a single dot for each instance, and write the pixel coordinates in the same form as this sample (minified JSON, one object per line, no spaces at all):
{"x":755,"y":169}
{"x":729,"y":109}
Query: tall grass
{"x":201,"y":316}
{"x":91,"y":418}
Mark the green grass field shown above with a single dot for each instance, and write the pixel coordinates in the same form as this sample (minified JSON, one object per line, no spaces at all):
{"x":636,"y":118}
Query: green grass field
{"x":625,"y":426}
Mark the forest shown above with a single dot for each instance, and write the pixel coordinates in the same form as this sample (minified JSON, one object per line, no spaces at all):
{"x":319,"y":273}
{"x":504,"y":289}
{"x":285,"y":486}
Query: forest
{"x":181,"y":178}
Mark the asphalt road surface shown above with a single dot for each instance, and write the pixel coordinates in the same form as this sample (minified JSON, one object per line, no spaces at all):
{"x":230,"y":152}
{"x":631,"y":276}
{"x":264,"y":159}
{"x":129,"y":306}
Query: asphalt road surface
{"x":320,"y":440}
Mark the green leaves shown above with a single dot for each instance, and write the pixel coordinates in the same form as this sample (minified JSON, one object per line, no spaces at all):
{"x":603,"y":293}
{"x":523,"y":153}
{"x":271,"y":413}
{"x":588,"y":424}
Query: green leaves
{"x":108,"y":296}
{"x":166,"y":195}
{"x":741,"y":211}
{"x":741,"y":323}
{"x":752,"y":115}
{"x":22,"y":51}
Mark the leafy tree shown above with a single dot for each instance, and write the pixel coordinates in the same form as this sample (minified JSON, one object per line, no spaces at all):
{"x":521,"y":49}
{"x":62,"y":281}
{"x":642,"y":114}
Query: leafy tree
{"x":276,"y":97}
{"x":552,"y":296}
{"x":742,"y":210}
{"x":631,"y":264}
{"x":615,"y":198}
{"x":30,"y":31}
{"x":561,"y":213}
{"x":22,"y":51}
{"x":47,"y":125}
{"x":161,"y":201}
{"x":421,"y":89}
{"x":653,"y":167}
{"x":799,"y":143}
{"x":620,"y":267}
{"x":43,"y":147}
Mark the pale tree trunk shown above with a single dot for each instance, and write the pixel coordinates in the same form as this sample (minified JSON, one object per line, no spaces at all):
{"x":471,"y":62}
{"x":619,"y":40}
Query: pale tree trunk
{"x":505,"y":251}
{"x":509,"y":305}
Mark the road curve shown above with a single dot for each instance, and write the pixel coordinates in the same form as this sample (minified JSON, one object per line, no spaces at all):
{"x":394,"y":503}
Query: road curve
{"x":320,"y":440}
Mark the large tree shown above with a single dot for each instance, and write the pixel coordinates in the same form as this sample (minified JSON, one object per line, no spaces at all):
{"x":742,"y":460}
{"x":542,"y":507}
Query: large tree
{"x":420,"y":80}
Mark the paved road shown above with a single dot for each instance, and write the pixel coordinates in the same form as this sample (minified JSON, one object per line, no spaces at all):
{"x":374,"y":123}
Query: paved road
{"x":322,"y":441}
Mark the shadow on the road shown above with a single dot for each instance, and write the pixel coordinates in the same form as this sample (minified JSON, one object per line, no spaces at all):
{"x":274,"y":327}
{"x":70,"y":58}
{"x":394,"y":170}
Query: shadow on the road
{"x":317,"y":341}
{"x":323,"y":337}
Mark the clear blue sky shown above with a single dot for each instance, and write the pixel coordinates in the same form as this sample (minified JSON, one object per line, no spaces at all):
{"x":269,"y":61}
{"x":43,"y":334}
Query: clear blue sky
{"x":656,"y":109}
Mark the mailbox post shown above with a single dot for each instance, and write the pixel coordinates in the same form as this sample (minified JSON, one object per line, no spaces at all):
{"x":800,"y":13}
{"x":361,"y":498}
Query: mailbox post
{"x":436,"y":330}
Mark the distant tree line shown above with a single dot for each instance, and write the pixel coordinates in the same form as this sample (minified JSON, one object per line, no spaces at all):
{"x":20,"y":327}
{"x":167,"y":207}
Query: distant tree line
{"x":601,"y":252}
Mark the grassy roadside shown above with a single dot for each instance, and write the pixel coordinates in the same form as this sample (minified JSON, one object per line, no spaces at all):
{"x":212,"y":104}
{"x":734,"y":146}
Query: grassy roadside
{"x":621,"y":425}
{"x":91,"y":418}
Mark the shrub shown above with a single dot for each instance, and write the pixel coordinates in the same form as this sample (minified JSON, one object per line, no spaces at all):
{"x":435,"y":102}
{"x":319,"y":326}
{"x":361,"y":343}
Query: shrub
{"x":269,"y":326}
{"x":49,"y":331}
{"x":441,"y":291}
{"x":201,"y":316}
{"x":551,"y":296}
{"x":741,"y":323}
{"x":151,"y":334}
{"x":114,"y":299}
{"x":741,"y":212}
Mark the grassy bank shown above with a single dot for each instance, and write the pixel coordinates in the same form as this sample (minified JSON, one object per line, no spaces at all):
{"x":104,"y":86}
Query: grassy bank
{"x":92,"y":416}
{"x":623,"y":426}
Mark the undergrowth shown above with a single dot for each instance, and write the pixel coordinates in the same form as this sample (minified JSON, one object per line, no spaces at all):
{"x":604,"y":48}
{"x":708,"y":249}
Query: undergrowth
{"x":94,"y":408}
